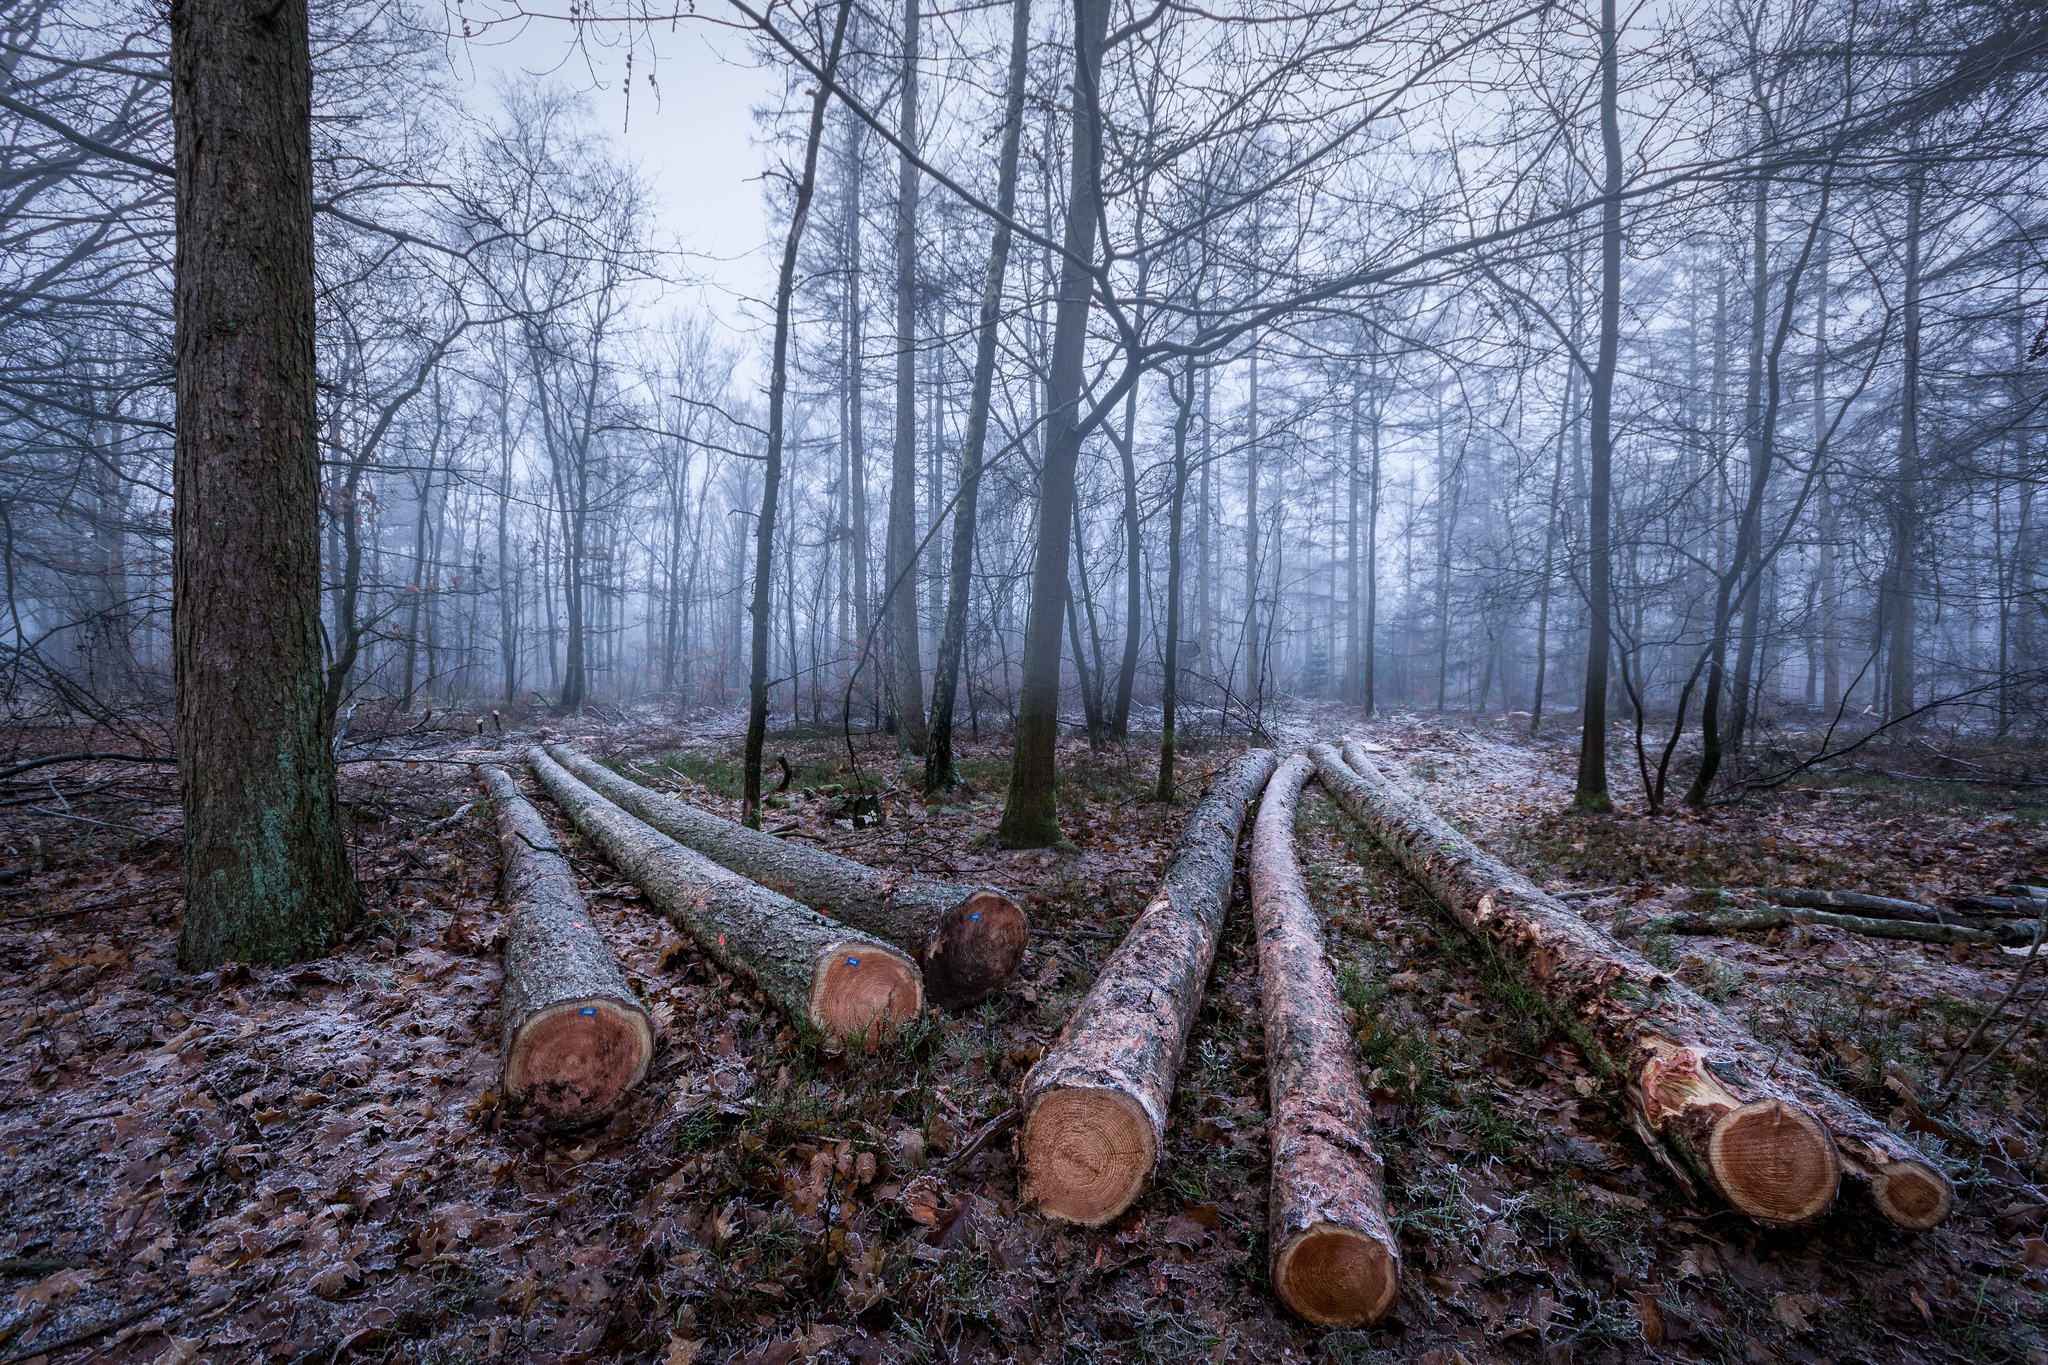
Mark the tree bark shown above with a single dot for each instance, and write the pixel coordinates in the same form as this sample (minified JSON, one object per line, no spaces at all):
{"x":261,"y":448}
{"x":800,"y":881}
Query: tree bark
{"x":1095,"y":1106}
{"x":1590,"y":791}
{"x":1766,"y":1133}
{"x":1779,"y":917}
{"x":967,"y":939}
{"x":266,"y":865}
{"x":850,"y":988}
{"x":939,"y":772}
{"x":1334,"y":1258}
{"x":576,"y":1037}
{"x":771,"y":483}
{"x":1176,"y":557}
{"x":1031,"y":807}
{"x":906,"y":669}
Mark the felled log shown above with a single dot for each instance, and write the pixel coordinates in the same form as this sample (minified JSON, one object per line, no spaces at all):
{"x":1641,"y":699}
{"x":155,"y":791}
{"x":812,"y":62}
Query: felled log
{"x":1095,"y":1106}
{"x":1780,"y":916}
{"x":849,"y":987}
{"x":1334,"y":1258}
{"x":1764,"y":1132}
{"x":2004,"y":907}
{"x":1852,"y":902}
{"x":967,"y":939}
{"x":576,"y":1037}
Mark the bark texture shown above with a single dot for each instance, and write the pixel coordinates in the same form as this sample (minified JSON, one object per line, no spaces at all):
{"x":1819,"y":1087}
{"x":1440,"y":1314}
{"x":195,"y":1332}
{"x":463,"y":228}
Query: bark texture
{"x":266,"y":869}
{"x":967,"y":939}
{"x":1095,"y":1105}
{"x":1334,"y":1258}
{"x":1764,"y":1132}
{"x":576,"y":1037}
{"x":1779,"y":917}
{"x":847,"y":986}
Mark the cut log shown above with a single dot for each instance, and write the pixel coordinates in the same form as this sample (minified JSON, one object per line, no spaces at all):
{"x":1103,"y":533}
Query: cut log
{"x":1852,"y":902}
{"x":1778,"y":917}
{"x":2004,"y":907}
{"x":1334,"y":1258}
{"x":851,"y":988}
{"x":1095,"y":1106}
{"x":1767,"y":1134}
{"x":967,"y":939}
{"x":576,"y":1037}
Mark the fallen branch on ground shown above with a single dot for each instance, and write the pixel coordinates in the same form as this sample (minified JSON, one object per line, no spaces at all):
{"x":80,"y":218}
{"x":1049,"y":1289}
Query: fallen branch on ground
{"x":847,"y":986}
{"x":967,"y":939}
{"x":1095,"y":1105}
{"x":576,"y":1037}
{"x":1334,"y":1258}
{"x":1704,"y":1095}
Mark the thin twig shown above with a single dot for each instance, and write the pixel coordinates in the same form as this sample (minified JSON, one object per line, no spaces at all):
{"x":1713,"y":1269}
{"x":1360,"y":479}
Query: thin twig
{"x":1984,"y":1023}
{"x":80,"y":1337}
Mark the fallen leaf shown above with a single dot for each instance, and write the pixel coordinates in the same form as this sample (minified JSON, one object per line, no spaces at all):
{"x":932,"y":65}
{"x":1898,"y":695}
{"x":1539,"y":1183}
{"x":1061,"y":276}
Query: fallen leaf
{"x":682,"y":1351}
{"x":1651,"y":1316}
{"x":1792,"y":1310}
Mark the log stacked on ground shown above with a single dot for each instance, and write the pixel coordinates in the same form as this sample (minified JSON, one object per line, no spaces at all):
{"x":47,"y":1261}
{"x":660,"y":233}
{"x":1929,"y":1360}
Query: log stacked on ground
{"x":1095,"y":1106}
{"x":1334,"y":1258}
{"x":967,"y":939}
{"x":1766,"y":1133}
{"x":1782,"y":916}
{"x":850,"y":987}
{"x":576,"y":1037}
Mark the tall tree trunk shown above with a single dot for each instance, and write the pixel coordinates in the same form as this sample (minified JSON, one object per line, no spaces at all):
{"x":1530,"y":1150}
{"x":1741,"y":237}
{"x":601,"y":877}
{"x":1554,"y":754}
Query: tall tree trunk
{"x":939,"y":773}
{"x":1590,"y":791}
{"x":266,"y":864}
{"x":855,"y":433}
{"x":1353,"y":690}
{"x":1372,"y":550}
{"x":1903,"y":590}
{"x":778,"y":390}
{"x":1169,"y":691}
{"x":1134,"y":560}
{"x":907,"y":668}
{"x":1030,"y":808}
{"x":1253,"y":668}
{"x":1555,"y":519}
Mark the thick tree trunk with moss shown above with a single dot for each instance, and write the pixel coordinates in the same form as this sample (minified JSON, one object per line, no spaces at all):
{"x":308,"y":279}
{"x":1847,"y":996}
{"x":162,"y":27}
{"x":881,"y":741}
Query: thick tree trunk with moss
{"x":967,"y":939}
{"x":1334,"y":1258}
{"x":576,"y":1037}
{"x":1095,"y":1105}
{"x":849,"y":987}
{"x":1713,"y":1103}
{"x":266,"y":867}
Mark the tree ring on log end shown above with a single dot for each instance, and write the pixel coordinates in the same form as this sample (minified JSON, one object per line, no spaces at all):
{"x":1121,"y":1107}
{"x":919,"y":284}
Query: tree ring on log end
{"x":1087,"y":1153}
{"x":1916,"y":1197}
{"x":973,"y":951}
{"x":1774,"y":1161}
{"x":572,"y":1060}
{"x":1335,"y":1276}
{"x":863,"y":989}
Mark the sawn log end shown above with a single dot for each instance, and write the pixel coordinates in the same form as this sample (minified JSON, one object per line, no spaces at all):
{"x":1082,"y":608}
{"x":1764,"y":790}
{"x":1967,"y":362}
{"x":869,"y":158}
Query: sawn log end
{"x":1087,"y":1153}
{"x":863,"y":991}
{"x":572,"y":1060}
{"x":1336,"y":1276}
{"x":976,"y":947}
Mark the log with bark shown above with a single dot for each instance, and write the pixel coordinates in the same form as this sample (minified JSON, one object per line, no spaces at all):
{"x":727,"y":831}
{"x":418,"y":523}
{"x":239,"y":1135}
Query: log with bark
{"x":1765,"y":1133}
{"x":576,"y":1037}
{"x":967,"y":939}
{"x":1782,"y":916}
{"x":851,"y":988}
{"x":1095,"y":1106}
{"x":1334,"y":1258}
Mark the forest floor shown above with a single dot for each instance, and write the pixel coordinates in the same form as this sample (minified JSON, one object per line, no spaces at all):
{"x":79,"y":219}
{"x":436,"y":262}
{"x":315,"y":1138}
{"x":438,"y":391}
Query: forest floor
{"x":314,"y":1162}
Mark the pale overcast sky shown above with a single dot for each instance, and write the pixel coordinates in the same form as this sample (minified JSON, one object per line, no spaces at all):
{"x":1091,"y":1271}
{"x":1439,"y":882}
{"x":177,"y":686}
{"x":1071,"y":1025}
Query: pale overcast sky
{"x":692,"y":133}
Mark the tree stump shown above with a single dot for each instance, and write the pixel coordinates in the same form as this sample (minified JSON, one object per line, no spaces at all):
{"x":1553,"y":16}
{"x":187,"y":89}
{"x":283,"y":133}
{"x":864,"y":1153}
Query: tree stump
{"x":966,"y":939}
{"x":576,"y":1037}
{"x":852,"y":989}
{"x":1095,"y":1106}
{"x":1335,"y":1261}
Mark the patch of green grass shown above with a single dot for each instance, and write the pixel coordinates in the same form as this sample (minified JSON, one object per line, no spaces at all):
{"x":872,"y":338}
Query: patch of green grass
{"x":713,"y":771}
{"x":1718,"y":981}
